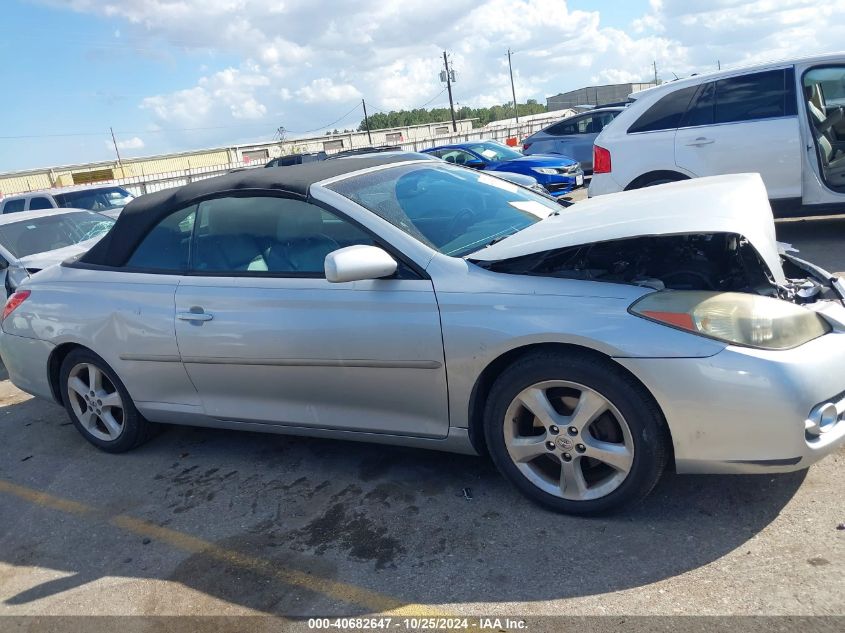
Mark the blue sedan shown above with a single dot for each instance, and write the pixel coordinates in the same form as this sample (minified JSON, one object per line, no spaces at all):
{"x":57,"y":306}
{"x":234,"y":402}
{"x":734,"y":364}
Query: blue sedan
{"x":558,"y":174}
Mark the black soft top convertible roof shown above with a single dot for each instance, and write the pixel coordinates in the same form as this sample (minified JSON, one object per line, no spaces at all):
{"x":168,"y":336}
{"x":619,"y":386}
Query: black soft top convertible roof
{"x":142,"y":214}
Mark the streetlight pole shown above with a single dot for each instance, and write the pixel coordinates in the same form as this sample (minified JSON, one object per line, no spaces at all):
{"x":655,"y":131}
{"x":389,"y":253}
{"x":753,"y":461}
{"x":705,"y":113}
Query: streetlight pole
{"x":367,"y":122}
{"x":513,"y":90}
{"x":449,"y":88}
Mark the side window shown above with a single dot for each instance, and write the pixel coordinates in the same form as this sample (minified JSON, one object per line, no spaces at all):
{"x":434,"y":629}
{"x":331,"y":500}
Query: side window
{"x":755,"y":96}
{"x":13,"y":206}
{"x":458,"y":156}
{"x":700,"y":111}
{"x":666,"y":113}
{"x":564,"y":128}
{"x":36,"y":204}
{"x":269,"y":235}
{"x":166,"y":248}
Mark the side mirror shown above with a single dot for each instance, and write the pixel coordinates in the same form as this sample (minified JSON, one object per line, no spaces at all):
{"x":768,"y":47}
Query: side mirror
{"x":474,"y":164}
{"x":358,"y":263}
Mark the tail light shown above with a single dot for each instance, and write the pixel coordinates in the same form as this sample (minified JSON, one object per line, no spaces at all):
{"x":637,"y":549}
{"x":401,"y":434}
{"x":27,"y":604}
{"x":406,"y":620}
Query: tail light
{"x":601,"y":160}
{"x":14,"y":301}
{"x":525,"y":146}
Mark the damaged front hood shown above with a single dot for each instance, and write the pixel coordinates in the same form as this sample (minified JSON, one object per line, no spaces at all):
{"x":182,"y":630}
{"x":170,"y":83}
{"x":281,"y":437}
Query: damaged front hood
{"x":720,"y":204}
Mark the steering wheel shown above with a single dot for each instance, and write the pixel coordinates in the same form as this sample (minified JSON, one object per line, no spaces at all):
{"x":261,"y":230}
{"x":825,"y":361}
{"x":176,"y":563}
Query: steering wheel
{"x":454,"y":225}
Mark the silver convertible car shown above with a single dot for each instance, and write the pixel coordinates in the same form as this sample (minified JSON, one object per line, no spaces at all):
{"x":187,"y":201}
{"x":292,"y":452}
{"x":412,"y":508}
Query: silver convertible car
{"x":420,"y":303}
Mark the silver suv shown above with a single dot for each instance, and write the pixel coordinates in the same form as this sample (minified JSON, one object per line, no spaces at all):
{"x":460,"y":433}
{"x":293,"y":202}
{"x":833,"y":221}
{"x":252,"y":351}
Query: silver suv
{"x":106,"y":199}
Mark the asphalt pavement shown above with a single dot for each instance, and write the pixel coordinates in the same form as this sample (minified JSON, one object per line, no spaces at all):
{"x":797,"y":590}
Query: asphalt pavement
{"x":212,"y":522}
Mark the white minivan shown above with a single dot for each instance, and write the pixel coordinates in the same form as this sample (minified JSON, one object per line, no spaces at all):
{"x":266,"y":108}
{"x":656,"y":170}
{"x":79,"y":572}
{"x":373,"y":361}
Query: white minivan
{"x":784,"y":120}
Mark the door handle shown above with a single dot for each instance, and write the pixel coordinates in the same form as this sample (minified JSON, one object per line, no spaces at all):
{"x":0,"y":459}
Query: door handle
{"x":196,"y":314}
{"x":701,"y":141}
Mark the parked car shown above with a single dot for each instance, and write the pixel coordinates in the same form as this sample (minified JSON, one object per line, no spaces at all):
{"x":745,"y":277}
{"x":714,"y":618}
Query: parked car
{"x":106,"y":199}
{"x":784,"y":120}
{"x":572,"y":136}
{"x":518,"y":179}
{"x":296,"y":159}
{"x":558,"y":174}
{"x":358,"y":151}
{"x":423,"y":304}
{"x":33,"y":240}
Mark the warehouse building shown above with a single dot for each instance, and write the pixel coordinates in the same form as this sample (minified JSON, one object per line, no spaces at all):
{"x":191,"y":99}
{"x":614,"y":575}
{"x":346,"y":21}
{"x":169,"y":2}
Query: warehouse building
{"x":595,"y":95}
{"x":142,"y":175}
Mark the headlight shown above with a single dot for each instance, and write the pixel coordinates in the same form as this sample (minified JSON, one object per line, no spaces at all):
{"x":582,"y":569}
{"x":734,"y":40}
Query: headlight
{"x":548,"y":171}
{"x":734,"y":317}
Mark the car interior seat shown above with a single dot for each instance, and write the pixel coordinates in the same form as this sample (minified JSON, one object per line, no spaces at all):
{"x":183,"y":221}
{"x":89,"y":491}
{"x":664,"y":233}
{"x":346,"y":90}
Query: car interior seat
{"x":301,"y":245}
{"x":229,"y":243}
{"x":831,"y":150}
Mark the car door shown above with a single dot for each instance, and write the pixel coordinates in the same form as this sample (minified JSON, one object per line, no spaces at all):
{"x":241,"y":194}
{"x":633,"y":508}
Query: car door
{"x":267,"y":339}
{"x":574,"y":137}
{"x":746,"y":123}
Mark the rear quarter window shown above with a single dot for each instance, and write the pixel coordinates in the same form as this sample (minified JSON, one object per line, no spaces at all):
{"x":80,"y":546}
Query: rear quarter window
{"x":37,"y":204}
{"x":666,"y":113}
{"x":13,"y":206}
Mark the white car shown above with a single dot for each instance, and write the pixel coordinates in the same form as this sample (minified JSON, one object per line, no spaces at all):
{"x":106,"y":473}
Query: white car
{"x":783,"y":120}
{"x":106,"y":199}
{"x":33,"y":240}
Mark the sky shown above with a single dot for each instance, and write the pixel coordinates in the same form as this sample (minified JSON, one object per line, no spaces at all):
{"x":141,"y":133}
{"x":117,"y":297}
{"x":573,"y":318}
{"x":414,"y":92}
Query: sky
{"x":175,"y":75}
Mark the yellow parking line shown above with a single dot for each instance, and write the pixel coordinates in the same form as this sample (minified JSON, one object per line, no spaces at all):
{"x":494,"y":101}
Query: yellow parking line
{"x":337,"y":590}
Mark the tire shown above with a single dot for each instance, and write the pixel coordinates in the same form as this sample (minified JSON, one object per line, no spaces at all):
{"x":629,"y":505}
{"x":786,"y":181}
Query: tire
{"x":118,"y":427}
{"x":654,"y":181}
{"x":612,"y":416}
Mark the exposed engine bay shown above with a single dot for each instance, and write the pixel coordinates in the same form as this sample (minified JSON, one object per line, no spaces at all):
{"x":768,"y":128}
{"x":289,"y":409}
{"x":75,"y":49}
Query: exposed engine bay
{"x":724,"y":262}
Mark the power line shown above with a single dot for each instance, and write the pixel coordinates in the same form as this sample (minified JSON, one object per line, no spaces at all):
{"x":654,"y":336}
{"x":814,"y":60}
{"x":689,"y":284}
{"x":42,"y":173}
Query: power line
{"x":322,"y":127}
{"x":379,"y":108}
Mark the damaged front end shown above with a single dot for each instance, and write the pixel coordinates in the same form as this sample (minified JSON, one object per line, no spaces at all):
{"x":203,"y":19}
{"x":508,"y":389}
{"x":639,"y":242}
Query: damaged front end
{"x":716,"y":262}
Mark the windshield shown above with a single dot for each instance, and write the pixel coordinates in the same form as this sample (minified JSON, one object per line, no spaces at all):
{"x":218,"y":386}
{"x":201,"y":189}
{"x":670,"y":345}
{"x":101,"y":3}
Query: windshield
{"x":102,"y":199}
{"x":494,"y":151}
{"x":454,"y":210}
{"x":51,"y":232}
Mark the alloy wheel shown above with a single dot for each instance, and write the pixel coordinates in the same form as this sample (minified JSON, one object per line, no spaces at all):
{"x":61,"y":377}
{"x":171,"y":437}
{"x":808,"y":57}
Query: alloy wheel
{"x":96,"y":402}
{"x":568,"y":440}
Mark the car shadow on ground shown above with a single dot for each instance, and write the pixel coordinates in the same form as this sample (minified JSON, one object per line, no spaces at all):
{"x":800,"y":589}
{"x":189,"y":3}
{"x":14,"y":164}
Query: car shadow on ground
{"x":414,"y":525}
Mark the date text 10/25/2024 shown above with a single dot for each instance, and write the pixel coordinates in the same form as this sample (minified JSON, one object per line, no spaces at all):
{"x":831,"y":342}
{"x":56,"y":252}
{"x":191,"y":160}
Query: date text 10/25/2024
{"x":418,"y":624}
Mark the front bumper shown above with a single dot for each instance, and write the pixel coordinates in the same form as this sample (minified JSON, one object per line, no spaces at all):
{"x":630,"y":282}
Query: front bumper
{"x":26,"y":360}
{"x":747,"y":410}
{"x":559,"y":185}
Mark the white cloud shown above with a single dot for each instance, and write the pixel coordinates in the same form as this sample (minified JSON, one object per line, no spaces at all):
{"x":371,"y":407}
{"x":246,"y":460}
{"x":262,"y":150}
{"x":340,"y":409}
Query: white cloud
{"x":324,"y":89}
{"x":302,"y":63}
{"x":131,"y":143}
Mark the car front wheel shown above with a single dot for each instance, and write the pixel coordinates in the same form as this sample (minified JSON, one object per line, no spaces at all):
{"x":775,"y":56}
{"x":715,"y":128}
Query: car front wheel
{"x":99,"y":405}
{"x":575,"y":433}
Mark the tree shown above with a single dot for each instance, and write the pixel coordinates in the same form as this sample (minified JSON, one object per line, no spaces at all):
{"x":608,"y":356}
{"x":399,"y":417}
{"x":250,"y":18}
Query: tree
{"x":420,"y":116}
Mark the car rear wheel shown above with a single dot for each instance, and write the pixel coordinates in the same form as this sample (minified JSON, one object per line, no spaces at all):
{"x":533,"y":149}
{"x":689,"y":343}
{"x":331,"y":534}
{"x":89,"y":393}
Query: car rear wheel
{"x":575,"y":433}
{"x":99,"y":405}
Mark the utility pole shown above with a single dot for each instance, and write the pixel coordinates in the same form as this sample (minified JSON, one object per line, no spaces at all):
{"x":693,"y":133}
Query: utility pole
{"x":449,"y":88}
{"x":719,"y":64}
{"x":367,"y":122}
{"x":654,"y":63}
{"x":116,"y":151}
{"x":513,"y":90}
